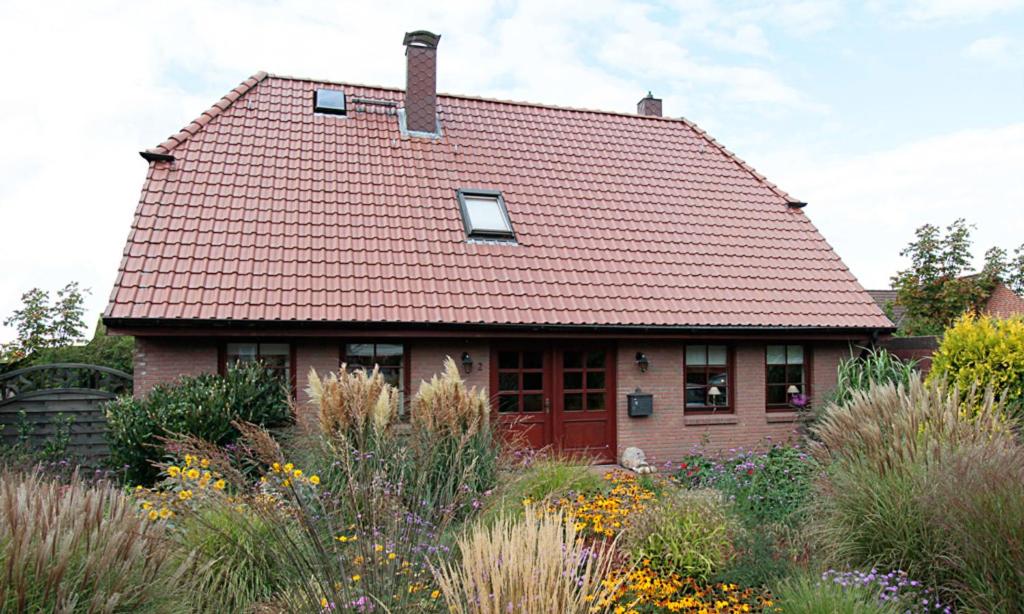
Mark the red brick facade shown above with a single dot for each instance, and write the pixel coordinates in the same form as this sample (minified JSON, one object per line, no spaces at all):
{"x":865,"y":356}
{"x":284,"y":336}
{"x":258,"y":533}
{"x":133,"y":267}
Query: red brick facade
{"x":666,"y":435}
{"x":1003,"y":303}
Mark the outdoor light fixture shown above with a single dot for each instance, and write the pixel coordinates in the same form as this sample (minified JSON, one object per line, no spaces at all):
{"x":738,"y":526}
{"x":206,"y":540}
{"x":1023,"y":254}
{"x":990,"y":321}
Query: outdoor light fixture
{"x":642,"y":362}
{"x":467,"y":363}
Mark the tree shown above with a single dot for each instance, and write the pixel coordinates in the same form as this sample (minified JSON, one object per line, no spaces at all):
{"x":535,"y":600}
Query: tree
{"x":936,"y":289}
{"x":42,"y":325}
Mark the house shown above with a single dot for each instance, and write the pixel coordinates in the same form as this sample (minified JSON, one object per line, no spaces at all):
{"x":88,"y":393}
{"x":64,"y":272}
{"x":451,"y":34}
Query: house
{"x":565,"y":258}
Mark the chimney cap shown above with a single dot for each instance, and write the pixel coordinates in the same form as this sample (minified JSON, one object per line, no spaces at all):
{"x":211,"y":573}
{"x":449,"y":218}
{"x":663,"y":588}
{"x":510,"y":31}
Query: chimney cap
{"x":649,"y":96}
{"x":421,"y":38}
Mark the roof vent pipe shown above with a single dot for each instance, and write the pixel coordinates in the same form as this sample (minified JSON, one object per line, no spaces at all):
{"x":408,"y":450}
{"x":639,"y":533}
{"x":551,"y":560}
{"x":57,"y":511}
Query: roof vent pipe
{"x":649,"y":105}
{"x":421,"y":81}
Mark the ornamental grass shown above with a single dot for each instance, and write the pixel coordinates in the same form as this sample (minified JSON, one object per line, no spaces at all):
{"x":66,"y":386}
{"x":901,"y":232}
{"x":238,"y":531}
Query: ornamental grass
{"x":537,"y":564}
{"x":71,"y":547}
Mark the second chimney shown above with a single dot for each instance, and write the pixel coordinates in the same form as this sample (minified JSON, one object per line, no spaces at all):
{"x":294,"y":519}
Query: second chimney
{"x":421,"y":81}
{"x":649,"y":105}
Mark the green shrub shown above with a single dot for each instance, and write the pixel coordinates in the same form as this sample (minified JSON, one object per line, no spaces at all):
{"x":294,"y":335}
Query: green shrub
{"x":811,"y":595}
{"x":547,"y":479}
{"x":69,"y":547}
{"x":917,"y":482}
{"x":982,"y":351}
{"x":203,"y":406}
{"x":875,"y":367}
{"x":690,"y":533}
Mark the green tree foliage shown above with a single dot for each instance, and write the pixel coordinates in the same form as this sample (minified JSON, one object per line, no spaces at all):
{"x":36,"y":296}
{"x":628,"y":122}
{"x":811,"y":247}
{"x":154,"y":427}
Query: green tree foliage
{"x":103,"y":349}
{"x":42,"y":324}
{"x":936,"y":289}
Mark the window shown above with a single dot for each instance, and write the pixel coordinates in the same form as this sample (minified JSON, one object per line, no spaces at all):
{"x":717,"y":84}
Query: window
{"x":277,"y":357}
{"x":707,"y":378}
{"x":329,"y":101}
{"x":786,"y":377}
{"x":389,"y":358}
{"x":484,"y":215}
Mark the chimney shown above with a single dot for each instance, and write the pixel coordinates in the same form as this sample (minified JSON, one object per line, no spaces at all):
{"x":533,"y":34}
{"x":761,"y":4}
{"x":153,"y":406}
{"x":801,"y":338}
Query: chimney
{"x":421,"y":81}
{"x":649,"y":105}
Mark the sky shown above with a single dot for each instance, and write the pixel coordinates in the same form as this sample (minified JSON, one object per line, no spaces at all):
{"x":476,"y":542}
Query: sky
{"x":882,"y":115}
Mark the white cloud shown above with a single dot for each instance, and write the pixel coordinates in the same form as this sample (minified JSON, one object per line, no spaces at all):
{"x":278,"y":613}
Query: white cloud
{"x":996,"y":50}
{"x":934,"y":11}
{"x":869,"y":205}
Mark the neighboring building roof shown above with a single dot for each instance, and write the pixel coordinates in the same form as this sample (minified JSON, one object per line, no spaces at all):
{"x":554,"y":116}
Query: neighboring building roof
{"x":885,"y":298}
{"x":1004,"y":302}
{"x":269,"y":212}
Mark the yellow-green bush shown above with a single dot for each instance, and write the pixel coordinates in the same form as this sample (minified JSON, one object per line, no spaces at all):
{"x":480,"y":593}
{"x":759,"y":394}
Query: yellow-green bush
{"x":983,"y":351}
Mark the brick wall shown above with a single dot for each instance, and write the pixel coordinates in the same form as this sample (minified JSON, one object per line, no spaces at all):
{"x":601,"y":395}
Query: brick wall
{"x":669,"y":433}
{"x":427,"y":358}
{"x":1003,"y":303}
{"x":162,"y":360}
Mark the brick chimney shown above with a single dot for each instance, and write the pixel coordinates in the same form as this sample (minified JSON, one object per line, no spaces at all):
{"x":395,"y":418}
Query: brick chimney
{"x":421,"y":81}
{"x":649,"y":105}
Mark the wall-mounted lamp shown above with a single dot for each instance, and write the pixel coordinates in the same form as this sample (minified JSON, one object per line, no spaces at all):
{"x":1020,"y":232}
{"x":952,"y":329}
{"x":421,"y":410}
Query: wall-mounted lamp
{"x":642,"y":362}
{"x":467,"y":363}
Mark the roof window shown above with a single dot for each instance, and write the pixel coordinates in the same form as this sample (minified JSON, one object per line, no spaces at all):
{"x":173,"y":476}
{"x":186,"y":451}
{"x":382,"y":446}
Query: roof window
{"x":485,"y":215}
{"x":329,"y":101}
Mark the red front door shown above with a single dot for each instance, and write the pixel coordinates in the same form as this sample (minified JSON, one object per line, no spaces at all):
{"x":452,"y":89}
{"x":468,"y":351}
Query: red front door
{"x":562,"y":397}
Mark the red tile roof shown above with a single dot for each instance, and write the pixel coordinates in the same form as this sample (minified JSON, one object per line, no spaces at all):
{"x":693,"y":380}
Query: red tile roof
{"x":269,"y":212}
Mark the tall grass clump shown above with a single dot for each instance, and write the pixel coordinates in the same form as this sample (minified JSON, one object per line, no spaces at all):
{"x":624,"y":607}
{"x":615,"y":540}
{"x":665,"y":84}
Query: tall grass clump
{"x":536,"y":564}
{"x":550,"y":479}
{"x":72,"y":547}
{"x":874,"y":367}
{"x":916,"y":482}
{"x":806,"y":594}
{"x":689,"y":533}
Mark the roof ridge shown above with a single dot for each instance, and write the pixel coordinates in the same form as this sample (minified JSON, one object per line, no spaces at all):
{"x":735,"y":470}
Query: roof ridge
{"x":208,"y":115}
{"x":750,"y":169}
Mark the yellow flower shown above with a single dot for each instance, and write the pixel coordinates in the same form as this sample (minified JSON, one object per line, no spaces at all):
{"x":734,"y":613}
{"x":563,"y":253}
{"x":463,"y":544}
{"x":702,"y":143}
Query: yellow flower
{"x":297,"y":473}
{"x":165,"y":513}
{"x":219,"y":484}
{"x":192,"y":474}
{"x":314,"y":480}
{"x":323,"y":602}
{"x":146,"y":505}
{"x":391,"y":556}
{"x":342,"y":538}
{"x":276,"y":467}
{"x":378,"y":548}
{"x":204,"y":463}
{"x":172,"y":471}
{"x":185,"y":495}
{"x":153,"y":515}
{"x":288,"y":467}
{"x":435,"y":594}
{"x":286,"y":483}
{"x":189,"y":459}
{"x":356,"y":578}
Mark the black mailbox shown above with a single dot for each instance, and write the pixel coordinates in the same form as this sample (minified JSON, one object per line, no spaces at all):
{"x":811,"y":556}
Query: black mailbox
{"x":640,"y":404}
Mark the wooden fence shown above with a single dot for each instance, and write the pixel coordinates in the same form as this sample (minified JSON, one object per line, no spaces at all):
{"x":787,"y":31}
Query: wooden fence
{"x":37,"y":403}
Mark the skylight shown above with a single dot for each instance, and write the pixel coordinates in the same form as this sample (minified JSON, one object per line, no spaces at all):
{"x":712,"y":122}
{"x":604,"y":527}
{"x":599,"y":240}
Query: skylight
{"x":329,"y":101}
{"x":485,"y":215}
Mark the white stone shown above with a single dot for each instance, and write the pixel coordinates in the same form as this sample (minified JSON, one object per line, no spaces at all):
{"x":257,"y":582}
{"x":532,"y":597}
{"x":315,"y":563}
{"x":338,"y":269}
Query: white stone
{"x":633,"y":458}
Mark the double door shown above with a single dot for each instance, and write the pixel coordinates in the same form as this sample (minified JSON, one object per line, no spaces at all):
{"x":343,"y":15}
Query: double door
{"x":560,"y":396}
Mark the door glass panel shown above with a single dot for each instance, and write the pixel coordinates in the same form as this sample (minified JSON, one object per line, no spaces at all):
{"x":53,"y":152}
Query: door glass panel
{"x":533,"y":360}
{"x":572,"y":381}
{"x":508,"y":404}
{"x":572,"y":360}
{"x":508,"y":360}
{"x":533,"y":403}
{"x":533,"y":381}
{"x":508,"y":381}
{"x":573,"y":402}
{"x":595,"y":400}
{"x":595,"y":360}
{"x":595,"y":379}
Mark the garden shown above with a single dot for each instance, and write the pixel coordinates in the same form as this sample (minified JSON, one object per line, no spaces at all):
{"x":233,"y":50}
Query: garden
{"x":903,"y":494}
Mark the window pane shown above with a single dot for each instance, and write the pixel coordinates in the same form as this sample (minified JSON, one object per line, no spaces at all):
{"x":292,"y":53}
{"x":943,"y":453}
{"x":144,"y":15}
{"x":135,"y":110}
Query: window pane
{"x":722,"y":399}
{"x":275,"y":362}
{"x":695,"y":395}
{"x":392,"y":377}
{"x":595,"y":400}
{"x":696,"y":355}
{"x":717,"y":355}
{"x":776,"y":374}
{"x":508,"y":381}
{"x":776,"y":354}
{"x":696,"y":376}
{"x":595,"y":360}
{"x":572,"y":360}
{"x":533,"y":381}
{"x":240,"y":352}
{"x":508,"y":360}
{"x":274,"y":349}
{"x":795,"y":374}
{"x":485,"y":214}
{"x":389,"y":349}
{"x":795,"y":354}
{"x":595,"y":380}
{"x":533,"y":360}
{"x":360,"y":350}
{"x":573,"y":381}
{"x":720,"y":379}
{"x":533,"y":403}
{"x":573,"y":402}
{"x":388,"y":361}
{"x":508,"y":404}
{"x":776,"y":395}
